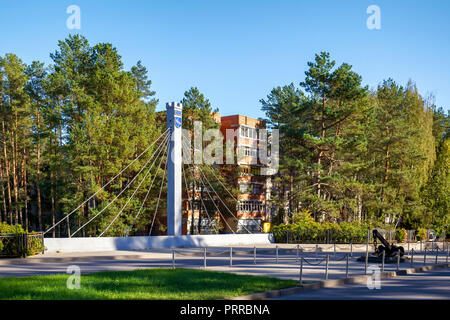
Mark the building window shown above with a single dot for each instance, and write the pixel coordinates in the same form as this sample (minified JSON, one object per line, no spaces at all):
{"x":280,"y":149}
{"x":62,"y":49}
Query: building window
{"x":253,"y":188}
{"x":252,"y":225}
{"x":208,"y":226}
{"x":248,"y":132}
{"x":244,"y":132}
{"x":248,"y":151}
{"x":243,"y":187}
{"x":257,"y":188}
{"x":251,"y":206}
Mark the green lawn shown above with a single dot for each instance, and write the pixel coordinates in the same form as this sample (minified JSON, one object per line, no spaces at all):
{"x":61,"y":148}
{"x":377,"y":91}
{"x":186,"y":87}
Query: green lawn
{"x":141,"y":284}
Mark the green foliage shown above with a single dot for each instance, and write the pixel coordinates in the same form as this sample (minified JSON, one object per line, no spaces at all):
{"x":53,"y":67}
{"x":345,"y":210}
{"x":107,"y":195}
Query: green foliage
{"x":401,"y":235}
{"x":352,"y":155}
{"x":196,"y":107}
{"x":11,"y":229}
{"x":67,"y":129}
{"x":12,"y":244}
{"x":160,"y":284}
{"x":421,"y":234}
{"x":34,"y":246}
{"x":348,"y":156}
{"x":309,"y":231}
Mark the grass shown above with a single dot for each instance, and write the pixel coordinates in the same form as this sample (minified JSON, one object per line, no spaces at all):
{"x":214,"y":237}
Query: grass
{"x":140,"y":284}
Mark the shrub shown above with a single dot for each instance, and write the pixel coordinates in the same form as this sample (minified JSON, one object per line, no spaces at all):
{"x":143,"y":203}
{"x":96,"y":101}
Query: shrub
{"x":34,"y":246}
{"x":7,"y":228}
{"x":13,"y":245}
{"x":306,"y":230}
{"x":421,"y":234}
{"x":401,"y":235}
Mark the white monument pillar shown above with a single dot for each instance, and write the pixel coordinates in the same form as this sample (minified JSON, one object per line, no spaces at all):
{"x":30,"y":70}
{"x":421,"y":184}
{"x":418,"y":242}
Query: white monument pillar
{"x":174,"y":122}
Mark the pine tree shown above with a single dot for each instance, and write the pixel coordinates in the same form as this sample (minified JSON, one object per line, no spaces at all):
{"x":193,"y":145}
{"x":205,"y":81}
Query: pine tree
{"x":15,"y":127}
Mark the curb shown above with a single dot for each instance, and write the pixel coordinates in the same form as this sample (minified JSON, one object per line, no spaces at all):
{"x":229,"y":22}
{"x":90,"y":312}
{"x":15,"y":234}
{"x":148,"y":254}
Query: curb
{"x":14,"y":261}
{"x":43,"y":259}
{"x":335,"y":283}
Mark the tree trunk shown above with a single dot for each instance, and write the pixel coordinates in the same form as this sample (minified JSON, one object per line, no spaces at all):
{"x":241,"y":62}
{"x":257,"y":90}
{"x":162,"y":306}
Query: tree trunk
{"x":68,"y":225}
{"x":52,"y":190}
{"x":285,"y":203}
{"x":320,"y":155}
{"x":386,"y":173}
{"x":199,"y":227}
{"x":38,"y":164}
{"x":5,"y":210}
{"x":359,"y":207}
{"x":25,"y":186}
{"x":58,"y":178}
{"x":15,"y":186}
{"x":333,"y":154}
{"x":52,"y":194}
{"x":8,"y":183}
{"x":192,"y":207}
{"x":291,"y":189}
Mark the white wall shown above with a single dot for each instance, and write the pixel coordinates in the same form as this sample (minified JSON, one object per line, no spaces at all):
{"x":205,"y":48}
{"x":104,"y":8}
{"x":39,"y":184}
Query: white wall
{"x":135,"y":243}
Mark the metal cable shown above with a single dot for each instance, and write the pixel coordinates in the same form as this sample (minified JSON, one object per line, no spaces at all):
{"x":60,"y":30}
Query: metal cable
{"x":209,"y":195}
{"x":217,"y":178}
{"x":192,"y":207}
{"x":211,"y":253}
{"x":105,"y":185}
{"x":126,"y":187}
{"x":203,"y":174}
{"x":160,"y":189}
{"x":132,"y":196}
{"x":345,"y":256}
{"x":314,"y":264}
{"x":148,"y":192}
{"x":201,"y":171}
{"x":201,"y":198}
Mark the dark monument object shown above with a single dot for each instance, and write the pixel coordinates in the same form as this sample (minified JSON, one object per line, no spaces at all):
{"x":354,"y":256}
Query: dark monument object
{"x":391,"y":251}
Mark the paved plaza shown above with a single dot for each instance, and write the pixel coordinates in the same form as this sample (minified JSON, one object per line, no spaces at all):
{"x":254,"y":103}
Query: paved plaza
{"x":243,"y":261}
{"x":428,"y":285}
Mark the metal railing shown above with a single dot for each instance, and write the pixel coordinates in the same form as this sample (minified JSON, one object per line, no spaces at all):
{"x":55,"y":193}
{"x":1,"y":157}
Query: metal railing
{"x":20,"y":245}
{"x":333,"y":237}
{"x":296,"y":257}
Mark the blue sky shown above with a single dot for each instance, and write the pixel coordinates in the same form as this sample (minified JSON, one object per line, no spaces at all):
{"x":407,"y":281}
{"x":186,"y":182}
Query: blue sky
{"x":235,"y":52}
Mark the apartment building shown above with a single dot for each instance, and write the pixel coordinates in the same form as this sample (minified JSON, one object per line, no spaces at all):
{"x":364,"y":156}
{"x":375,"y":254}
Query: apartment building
{"x":245,"y":175}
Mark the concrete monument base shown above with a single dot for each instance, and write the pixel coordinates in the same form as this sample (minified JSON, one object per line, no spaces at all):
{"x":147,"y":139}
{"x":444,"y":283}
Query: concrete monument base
{"x":154,"y":242}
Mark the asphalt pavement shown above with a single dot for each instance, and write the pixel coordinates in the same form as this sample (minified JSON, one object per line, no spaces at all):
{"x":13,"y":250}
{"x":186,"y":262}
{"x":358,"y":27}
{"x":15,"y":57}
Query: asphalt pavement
{"x":428,"y":285}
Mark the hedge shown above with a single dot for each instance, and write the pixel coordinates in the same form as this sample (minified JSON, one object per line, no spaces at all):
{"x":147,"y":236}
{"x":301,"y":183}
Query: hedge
{"x":305,"y":229}
{"x":13,"y":244}
{"x":320,"y":233}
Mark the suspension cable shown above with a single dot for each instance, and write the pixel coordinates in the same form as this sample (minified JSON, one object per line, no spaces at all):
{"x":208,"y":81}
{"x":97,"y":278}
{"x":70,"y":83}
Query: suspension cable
{"x":220,"y":213}
{"x":208,"y":192}
{"x":131,"y":197}
{"x":148,"y":192}
{"x":160,"y":189}
{"x":120,"y":193}
{"x":201,"y":199}
{"x":217,"y":178}
{"x":204,"y":207}
{"x":201,"y":171}
{"x":105,"y":185}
